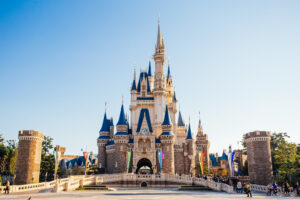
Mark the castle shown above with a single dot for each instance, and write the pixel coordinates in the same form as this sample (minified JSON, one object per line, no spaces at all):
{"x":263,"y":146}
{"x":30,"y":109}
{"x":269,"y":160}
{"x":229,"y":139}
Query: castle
{"x":157,"y":137}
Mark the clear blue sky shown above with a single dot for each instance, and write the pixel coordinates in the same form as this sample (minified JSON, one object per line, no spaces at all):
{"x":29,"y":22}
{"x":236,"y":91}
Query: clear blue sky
{"x":238,"y":62}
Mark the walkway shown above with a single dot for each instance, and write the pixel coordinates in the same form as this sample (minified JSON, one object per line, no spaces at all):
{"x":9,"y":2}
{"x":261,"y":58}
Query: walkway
{"x":140,"y":194}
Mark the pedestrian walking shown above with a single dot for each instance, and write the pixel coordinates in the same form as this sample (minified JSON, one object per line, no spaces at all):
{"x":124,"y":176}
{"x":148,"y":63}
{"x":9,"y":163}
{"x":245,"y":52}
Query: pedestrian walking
{"x":7,"y":184}
{"x":248,"y":190}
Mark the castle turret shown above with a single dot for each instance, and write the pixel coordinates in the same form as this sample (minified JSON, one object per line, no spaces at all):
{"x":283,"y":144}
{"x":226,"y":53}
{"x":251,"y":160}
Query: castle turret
{"x":259,"y":157}
{"x":202,"y":146}
{"x":180,"y":132}
{"x":29,"y":157}
{"x":104,"y":137}
{"x":121,"y":139}
{"x":167,"y":140}
{"x":169,"y":87}
{"x":189,"y":152}
{"x":159,"y":91}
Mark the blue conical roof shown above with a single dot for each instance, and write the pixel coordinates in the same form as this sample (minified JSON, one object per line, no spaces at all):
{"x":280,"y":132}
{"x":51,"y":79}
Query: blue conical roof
{"x":169,"y":73}
{"x":133,"y":87}
{"x":105,"y":124}
{"x":122,"y":119}
{"x":149,"y":69}
{"x":180,"y":120}
{"x":167,"y":120}
{"x":174,"y":97}
{"x":189,"y":135}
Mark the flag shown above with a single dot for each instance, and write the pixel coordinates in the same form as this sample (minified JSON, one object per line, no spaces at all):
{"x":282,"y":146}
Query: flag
{"x":128,"y":160}
{"x":200,"y":156}
{"x":159,"y":159}
{"x":202,"y":169}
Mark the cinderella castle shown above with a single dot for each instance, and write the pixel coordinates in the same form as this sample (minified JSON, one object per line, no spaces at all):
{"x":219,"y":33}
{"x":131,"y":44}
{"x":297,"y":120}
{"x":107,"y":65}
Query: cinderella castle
{"x":156,"y":138}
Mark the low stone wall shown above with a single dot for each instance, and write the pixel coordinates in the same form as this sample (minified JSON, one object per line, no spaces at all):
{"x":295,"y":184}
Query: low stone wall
{"x":121,"y":180}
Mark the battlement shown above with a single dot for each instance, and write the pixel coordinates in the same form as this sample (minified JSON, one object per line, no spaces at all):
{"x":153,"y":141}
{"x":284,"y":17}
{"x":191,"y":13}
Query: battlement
{"x":254,"y":134}
{"x":30,"y":135}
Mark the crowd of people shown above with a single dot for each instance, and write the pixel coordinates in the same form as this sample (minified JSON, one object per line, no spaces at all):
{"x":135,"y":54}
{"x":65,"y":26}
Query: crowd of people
{"x":285,"y":189}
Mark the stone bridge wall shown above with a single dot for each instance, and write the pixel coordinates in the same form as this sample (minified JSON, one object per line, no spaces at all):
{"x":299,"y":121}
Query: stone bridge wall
{"x":123,"y":180}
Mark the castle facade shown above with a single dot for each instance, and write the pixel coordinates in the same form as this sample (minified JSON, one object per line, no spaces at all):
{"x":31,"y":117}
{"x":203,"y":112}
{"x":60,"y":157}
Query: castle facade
{"x":155,"y":139}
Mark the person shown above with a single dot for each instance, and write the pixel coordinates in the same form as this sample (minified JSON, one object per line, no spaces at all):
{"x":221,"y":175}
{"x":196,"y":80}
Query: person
{"x":7,"y":187}
{"x":275,"y":188}
{"x":298,"y":188}
{"x":239,"y":187}
{"x":270,"y":189}
{"x":248,"y":190}
{"x":286,"y":186}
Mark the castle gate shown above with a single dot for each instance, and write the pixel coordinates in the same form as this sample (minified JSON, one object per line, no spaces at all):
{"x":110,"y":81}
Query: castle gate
{"x":144,"y":166}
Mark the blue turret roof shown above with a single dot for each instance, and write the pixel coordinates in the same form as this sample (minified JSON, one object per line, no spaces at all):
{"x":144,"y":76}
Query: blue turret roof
{"x":121,"y":133}
{"x":167,"y":133}
{"x":144,"y":112}
{"x":213,"y":160}
{"x":189,"y":135}
{"x":149,"y":69}
{"x":143,"y":75}
{"x":169,"y":73}
{"x":122,"y":119}
{"x":105,"y":124}
{"x":133,"y":87}
{"x":174,"y":97}
{"x":180,"y":120}
{"x":110,"y":143}
{"x":167,"y":120}
{"x":224,"y":156}
{"x":103,"y":137}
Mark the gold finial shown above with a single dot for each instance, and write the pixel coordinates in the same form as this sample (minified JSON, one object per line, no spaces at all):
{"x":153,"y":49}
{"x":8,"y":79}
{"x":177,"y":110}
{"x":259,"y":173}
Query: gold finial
{"x":189,"y":119}
{"x":179,"y":107}
{"x":105,"y":105}
{"x":122,"y":99}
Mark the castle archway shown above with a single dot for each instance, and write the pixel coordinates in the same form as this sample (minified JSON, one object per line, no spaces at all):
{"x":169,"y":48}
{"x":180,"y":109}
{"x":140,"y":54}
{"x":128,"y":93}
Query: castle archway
{"x":144,"y":166}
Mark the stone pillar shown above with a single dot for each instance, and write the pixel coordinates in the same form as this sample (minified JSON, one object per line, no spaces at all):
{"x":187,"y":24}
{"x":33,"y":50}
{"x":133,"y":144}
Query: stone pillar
{"x":259,"y":157}
{"x":29,"y":157}
{"x":167,"y":143}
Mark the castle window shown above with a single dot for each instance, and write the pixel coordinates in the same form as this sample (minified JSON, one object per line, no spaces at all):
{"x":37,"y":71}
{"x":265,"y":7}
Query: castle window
{"x":121,"y":148}
{"x":116,"y":165}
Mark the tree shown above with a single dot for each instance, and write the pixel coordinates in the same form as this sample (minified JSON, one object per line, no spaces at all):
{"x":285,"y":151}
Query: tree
{"x":47,"y":160}
{"x":285,"y":158}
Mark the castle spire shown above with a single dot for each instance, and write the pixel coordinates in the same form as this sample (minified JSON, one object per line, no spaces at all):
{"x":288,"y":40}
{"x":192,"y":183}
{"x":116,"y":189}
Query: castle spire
{"x":159,"y":41}
{"x":189,"y":135}
{"x":167,"y":120}
{"x":180,"y":121}
{"x":122,"y":118}
{"x":149,"y":69}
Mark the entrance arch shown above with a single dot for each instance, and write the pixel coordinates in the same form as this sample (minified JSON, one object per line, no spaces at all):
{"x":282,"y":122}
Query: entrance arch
{"x":144,"y":166}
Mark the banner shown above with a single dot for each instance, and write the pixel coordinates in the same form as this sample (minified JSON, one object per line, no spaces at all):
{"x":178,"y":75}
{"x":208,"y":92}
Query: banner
{"x":202,"y":168}
{"x":159,"y":159}
{"x":200,"y":156}
{"x":128,"y":160}
{"x":231,"y":159}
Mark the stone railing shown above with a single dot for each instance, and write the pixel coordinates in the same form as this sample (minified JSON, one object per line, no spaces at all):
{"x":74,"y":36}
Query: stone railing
{"x":73,"y":182}
{"x":259,"y":188}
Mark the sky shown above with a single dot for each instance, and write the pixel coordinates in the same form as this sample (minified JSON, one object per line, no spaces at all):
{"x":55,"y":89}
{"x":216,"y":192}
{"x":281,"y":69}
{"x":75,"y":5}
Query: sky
{"x":237,"y":62}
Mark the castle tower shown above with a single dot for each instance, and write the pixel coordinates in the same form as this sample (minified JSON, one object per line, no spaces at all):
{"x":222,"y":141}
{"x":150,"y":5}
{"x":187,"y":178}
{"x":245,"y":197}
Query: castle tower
{"x":159,"y":91}
{"x":121,"y":139}
{"x":189,"y":153}
{"x":259,"y":157}
{"x":29,"y":157}
{"x":181,"y":132}
{"x":167,"y":141}
{"x":202,"y":145}
{"x":104,"y":137}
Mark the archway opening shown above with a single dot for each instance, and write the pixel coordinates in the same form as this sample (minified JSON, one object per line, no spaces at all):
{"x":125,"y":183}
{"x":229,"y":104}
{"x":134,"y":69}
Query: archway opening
{"x":144,"y":184}
{"x":144,"y":166}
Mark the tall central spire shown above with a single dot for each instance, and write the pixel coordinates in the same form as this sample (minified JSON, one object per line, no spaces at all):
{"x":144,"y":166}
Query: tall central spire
{"x":158,"y":42}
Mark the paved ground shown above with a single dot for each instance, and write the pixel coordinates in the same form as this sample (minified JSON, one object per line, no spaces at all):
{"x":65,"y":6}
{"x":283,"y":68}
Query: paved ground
{"x":136,"y":194}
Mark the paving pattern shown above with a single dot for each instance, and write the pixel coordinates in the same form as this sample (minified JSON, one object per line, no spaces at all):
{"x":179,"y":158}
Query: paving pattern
{"x":136,"y":194}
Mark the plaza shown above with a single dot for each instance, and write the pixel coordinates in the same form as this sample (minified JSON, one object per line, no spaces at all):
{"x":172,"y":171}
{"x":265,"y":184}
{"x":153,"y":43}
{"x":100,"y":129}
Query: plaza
{"x":138,"y":194}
